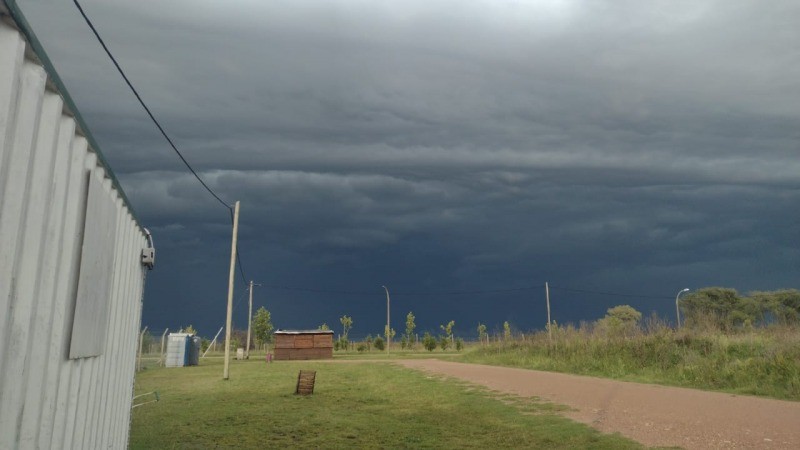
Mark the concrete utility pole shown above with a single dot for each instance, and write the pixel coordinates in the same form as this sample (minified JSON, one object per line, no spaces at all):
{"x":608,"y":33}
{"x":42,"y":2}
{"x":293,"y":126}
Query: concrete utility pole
{"x":677,"y":309}
{"x":225,"y":370}
{"x":547,"y":295}
{"x":249,"y":321}
{"x":388,"y":327}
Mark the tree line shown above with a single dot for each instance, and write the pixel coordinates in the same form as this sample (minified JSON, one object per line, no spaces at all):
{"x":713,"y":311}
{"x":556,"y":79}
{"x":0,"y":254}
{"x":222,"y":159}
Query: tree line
{"x":726,"y":309}
{"x":707,"y":308}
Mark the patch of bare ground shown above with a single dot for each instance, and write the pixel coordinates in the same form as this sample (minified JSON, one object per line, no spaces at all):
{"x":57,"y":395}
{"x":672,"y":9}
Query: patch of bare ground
{"x":651,"y":414}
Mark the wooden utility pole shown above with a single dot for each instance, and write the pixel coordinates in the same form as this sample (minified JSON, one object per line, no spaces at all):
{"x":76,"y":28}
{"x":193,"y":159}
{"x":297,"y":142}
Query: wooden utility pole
{"x":231,"y":278}
{"x":547,"y":295}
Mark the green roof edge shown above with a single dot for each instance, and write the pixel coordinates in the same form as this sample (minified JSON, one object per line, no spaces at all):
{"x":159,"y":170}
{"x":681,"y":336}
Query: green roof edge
{"x":25,"y":28}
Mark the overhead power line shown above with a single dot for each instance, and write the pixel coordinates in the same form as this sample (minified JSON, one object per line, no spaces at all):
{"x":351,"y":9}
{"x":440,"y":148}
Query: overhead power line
{"x":613,"y":294}
{"x":158,"y":125}
{"x":463,"y":292}
{"x":141,"y":102}
{"x":397,"y":293}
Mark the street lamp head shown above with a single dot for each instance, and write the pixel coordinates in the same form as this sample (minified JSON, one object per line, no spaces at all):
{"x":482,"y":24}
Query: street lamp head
{"x":685,"y":290}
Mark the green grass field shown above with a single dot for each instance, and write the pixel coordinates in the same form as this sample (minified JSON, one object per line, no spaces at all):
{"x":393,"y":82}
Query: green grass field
{"x":355,"y":405}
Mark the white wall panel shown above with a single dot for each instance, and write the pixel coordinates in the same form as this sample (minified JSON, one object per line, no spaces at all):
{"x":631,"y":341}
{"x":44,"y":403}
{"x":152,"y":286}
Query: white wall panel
{"x":94,"y":281}
{"x":59,"y":250}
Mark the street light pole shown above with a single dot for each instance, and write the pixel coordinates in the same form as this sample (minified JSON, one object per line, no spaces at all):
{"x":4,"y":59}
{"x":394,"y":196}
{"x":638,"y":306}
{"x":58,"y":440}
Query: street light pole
{"x":249,"y":320}
{"x":677,"y":309}
{"x":388,"y":327}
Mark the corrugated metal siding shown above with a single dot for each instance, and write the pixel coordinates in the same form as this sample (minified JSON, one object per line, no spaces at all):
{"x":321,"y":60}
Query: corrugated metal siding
{"x":46,"y":399}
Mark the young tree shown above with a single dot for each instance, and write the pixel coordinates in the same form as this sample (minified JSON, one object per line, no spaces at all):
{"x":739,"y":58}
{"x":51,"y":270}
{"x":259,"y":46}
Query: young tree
{"x":410,"y":326}
{"x":448,"y":330}
{"x":506,"y":331}
{"x":324,"y":327}
{"x":347,"y":324}
{"x":482,"y":335}
{"x":389,"y":333}
{"x":262,"y":326}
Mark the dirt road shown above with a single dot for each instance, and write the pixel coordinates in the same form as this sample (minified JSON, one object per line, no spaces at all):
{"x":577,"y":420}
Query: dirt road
{"x":650,"y":414}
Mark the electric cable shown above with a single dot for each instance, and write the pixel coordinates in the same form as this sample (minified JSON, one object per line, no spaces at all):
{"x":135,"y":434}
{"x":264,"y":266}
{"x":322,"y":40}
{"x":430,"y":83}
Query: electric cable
{"x":141,"y":102}
{"x":399,"y":293}
{"x":463,"y":292}
{"x":158,"y":125}
{"x":614,"y":294}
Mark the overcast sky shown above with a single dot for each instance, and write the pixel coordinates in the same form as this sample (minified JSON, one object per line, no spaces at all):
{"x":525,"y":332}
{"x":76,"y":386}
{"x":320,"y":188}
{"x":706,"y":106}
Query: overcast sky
{"x":438,"y":146}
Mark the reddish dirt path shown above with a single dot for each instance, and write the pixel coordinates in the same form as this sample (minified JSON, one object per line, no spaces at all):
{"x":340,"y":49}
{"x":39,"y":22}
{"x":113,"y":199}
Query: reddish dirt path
{"x":650,"y":414}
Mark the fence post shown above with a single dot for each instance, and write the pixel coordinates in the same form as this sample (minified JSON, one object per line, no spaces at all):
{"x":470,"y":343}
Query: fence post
{"x":141,"y":343}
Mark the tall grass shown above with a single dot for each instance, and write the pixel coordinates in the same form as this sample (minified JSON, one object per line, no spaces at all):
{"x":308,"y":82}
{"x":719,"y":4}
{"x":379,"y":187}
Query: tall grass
{"x":763,"y":361}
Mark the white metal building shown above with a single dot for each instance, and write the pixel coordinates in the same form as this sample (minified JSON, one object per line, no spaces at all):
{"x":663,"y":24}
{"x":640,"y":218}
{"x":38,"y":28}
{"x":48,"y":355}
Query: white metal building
{"x":71,"y":264}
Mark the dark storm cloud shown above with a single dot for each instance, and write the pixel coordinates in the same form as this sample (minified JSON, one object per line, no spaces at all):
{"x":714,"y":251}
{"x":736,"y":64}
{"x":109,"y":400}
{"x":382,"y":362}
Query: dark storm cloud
{"x":436,"y":146}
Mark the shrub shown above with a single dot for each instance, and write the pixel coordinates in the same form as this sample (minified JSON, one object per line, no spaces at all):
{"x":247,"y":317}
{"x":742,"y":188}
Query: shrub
{"x":620,"y":321}
{"x":444,"y":342}
{"x":459,"y":344}
{"x":429,"y":342}
{"x":379,"y":343}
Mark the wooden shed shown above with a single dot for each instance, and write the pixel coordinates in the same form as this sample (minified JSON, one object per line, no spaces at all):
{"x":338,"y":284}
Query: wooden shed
{"x":303,"y":344}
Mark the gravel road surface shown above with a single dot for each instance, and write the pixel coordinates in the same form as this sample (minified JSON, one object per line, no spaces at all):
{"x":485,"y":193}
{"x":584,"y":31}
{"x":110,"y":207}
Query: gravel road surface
{"x":650,"y":414}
